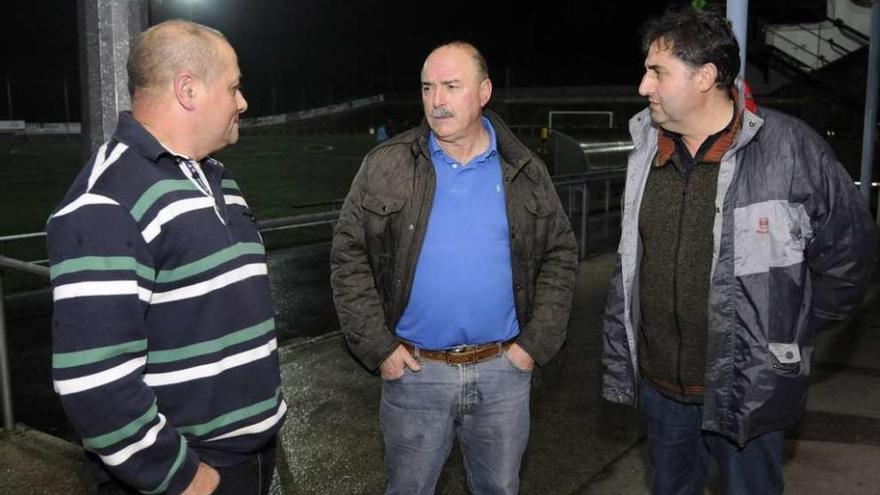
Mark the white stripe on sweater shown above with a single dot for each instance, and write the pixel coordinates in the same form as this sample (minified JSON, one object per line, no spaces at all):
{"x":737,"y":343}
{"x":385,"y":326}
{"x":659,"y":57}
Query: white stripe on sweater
{"x":84,"y":200}
{"x":146,"y":442}
{"x":171,"y":211}
{"x":256,"y":427}
{"x":102,"y":162}
{"x":95,"y":380}
{"x":211,"y":369}
{"x":218,"y":282}
{"x":234,"y":200}
{"x":101,"y":288}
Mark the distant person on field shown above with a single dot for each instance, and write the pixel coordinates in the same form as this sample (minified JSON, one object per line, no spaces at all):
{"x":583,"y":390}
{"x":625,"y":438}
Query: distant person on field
{"x":164,"y":341}
{"x":742,"y":238}
{"x":381,"y":134}
{"x":453,"y":270}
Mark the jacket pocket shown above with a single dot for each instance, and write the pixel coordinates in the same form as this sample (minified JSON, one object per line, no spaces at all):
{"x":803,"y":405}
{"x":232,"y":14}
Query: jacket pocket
{"x":785,"y":358}
{"x":381,"y":231}
{"x":379,"y":211}
{"x":539,"y":207}
{"x":537,"y":225}
{"x":382,"y":205}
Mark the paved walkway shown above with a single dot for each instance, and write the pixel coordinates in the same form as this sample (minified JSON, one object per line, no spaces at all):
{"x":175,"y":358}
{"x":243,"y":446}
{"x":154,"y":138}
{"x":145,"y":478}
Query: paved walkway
{"x":836,"y":448}
{"x":578,"y":445}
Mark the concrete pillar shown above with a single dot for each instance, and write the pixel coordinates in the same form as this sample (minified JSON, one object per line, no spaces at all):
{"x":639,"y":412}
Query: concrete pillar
{"x":106,"y":30}
{"x":871,"y":89}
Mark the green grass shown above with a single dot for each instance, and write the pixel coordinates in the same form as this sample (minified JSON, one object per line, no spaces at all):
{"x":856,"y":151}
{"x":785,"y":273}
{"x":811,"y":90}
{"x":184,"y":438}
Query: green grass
{"x":276,"y":173}
{"x":33,"y":178}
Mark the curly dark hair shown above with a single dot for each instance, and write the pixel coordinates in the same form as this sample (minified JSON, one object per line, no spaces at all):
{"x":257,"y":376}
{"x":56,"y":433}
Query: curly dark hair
{"x":697,"y":38}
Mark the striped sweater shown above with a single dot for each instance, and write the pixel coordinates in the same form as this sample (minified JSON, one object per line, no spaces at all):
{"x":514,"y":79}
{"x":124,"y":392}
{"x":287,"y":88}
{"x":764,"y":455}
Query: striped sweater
{"x":164,"y":348}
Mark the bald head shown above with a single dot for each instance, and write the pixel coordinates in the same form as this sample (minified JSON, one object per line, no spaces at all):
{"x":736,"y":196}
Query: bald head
{"x":166,"y":49}
{"x":482,"y":69}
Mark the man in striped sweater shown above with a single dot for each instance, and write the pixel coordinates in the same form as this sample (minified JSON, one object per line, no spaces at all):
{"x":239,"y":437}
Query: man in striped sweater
{"x":164,"y":348}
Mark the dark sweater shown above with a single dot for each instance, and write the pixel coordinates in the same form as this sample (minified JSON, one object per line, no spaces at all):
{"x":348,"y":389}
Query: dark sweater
{"x":164,"y":341}
{"x":675,"y":224}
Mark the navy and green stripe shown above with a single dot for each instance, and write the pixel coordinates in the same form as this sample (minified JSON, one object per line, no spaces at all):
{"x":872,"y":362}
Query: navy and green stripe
{"x":63,"y":360}
{"x":101,"y":263}
{"x":101,"y":441}
{"x":212,"y":261}
{"x":231,"y":417}
{"x":156,"y":191}
{"x":211,"y":346}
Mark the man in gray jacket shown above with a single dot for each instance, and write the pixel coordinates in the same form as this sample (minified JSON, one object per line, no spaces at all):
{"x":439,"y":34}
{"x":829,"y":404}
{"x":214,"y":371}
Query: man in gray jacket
{"x":453,"y":269}
{"x":742,"y":237}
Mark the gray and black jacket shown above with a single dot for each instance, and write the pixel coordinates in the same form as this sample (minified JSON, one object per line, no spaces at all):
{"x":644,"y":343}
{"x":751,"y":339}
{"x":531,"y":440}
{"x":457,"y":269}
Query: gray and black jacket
{"x":378,"y":239}
{"x":794,"y":245}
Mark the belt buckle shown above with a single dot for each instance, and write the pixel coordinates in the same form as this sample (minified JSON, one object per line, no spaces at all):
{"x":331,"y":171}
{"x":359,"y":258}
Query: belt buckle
{"x":462,"y":350}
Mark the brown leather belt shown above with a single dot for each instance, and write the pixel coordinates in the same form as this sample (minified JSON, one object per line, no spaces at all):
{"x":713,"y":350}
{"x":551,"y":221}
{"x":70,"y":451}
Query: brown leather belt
{"x":463,"y":355}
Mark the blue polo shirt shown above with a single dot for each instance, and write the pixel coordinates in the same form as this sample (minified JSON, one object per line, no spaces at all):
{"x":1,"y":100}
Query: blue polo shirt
{"x":463,"y":288}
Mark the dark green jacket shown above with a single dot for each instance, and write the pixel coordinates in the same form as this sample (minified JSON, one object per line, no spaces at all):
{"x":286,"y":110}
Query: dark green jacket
{"x":378,"y":238}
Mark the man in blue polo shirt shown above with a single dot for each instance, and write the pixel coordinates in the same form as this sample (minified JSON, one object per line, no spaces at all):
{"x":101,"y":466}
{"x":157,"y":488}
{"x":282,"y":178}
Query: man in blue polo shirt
{"x":453,"y":270}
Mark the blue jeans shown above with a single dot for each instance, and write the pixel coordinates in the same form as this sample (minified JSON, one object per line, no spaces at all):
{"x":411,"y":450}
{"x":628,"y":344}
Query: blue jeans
{"x":679,"y":452}
{"x":485,"y":405}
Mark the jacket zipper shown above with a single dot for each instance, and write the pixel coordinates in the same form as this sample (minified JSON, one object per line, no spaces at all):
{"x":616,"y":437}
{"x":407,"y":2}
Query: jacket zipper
{"x":400,"y":296}
{"x":678,"y":356}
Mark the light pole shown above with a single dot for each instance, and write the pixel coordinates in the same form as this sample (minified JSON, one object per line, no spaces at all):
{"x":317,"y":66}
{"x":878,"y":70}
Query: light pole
{"x":9,"y":94}
{"x":189,"y":8}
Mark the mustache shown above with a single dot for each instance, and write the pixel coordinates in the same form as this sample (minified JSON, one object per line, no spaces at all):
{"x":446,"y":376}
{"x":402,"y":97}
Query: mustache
{"x":439,"y":113}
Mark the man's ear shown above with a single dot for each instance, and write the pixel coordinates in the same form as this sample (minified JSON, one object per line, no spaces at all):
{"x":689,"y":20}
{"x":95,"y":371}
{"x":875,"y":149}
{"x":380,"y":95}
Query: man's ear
{"x":707,"y":76}
{"x":186,"y":90}
{"x":485,"y":92}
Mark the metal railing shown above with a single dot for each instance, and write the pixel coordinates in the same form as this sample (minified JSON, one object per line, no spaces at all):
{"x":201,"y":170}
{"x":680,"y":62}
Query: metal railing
{"x":577,"y":189}
{"x":820,"y":39}
{"x":5,"y":380}
{"x":11,"y":264}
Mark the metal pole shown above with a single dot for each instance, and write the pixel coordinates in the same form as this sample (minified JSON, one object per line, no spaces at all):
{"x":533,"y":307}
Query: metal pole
{"x":66,"y":108}
{"x":738,"y":14}
{"x":871,"y":88}
{"x":106,"y":29}
{"x":585,"y":211}
{"x":5,"y":381}
{"x":9,"y":95}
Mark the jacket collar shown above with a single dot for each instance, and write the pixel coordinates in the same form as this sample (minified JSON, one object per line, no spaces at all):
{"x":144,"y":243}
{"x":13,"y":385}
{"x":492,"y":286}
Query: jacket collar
{"x":132,"y":133}
{"x":514,"y":155}
{"x":751,"y":124}
{"x":720,"y":143}
{"x":641,"y":128}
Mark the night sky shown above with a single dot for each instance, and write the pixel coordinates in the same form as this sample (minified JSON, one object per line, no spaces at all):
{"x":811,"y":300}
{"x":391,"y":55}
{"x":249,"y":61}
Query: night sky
{"x":316,"y":52}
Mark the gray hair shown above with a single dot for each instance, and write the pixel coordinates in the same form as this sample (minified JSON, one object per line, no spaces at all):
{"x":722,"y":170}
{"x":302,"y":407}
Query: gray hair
{"x":479,"y":60}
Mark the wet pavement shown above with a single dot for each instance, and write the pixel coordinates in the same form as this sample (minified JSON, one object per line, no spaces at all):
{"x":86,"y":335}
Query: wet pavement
{"x":332,"y":442}
{"x":579,"y":444}
{"x":835,"y":448}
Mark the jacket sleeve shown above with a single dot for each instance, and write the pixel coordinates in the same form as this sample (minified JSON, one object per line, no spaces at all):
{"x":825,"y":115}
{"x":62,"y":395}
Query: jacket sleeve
{"x":358,"y":303}
{"x":618,"y":379}
{"x":545,"y":332}
{"x":842,"y":251}
{"x":102,"y":276}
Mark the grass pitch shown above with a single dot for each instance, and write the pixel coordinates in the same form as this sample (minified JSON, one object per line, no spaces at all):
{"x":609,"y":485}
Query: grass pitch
{"x":278,"y":174}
